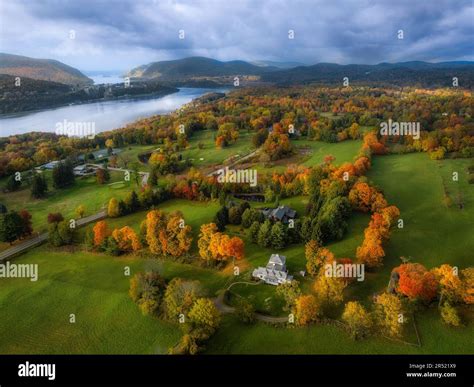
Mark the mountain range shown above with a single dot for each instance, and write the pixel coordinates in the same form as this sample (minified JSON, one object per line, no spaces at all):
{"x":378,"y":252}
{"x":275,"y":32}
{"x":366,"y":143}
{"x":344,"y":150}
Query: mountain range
{"x":202,"y":72}
{"x":416,"y":73}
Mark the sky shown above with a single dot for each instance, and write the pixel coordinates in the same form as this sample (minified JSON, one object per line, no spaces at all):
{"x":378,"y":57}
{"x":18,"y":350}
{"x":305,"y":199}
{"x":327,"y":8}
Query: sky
{"x":118,"y":35}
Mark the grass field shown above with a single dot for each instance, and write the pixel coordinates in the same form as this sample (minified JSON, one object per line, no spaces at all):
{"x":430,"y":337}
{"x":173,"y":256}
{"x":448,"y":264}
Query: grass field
{"x":211,"y":155}
{"x":433,"y":234}
{"x":85,"y":191}
{"x":235,"y":337}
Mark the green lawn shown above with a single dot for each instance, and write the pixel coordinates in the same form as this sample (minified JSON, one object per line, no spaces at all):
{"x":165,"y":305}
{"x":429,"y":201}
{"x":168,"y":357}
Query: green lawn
{"x":85,"y":191}
{"x":211,"y":155}
{"x":234,"y":337}
{"x":433,"y":234}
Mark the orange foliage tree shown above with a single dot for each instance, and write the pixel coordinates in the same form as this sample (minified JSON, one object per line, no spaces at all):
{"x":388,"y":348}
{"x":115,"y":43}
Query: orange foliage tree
{"x":101,"y":232}
{"x":416,"y":282}
{"x":126,"y":238}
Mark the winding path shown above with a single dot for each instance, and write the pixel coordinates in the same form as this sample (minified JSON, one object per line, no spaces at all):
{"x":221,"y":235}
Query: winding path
{"x":226,"y":309}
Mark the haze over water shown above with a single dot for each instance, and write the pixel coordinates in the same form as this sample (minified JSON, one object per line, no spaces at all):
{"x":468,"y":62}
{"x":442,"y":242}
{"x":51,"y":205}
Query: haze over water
{"x":107,"y":115}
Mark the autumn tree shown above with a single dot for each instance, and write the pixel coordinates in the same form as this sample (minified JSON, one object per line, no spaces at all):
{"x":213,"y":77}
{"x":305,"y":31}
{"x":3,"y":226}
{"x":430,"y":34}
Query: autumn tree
{"x":179,"y":297}
{"x":204,"y":241}
{"x":306,"y":310}
{"x":316,"y":257}
{"x":450,"y":315}
{"x":155,"y":231}
{"x":127,"y":240}
{"x":450,"y":285}
{"x":416,"y":282}
{"x":113,"y":208}
{"x":357,"y":318}
{"x":329,"y":289}
{"x":27,"y":225}
{"x":390,"y":314}
{"x":102,"y":175}
{"x":55,"y":217}
{"x":205,"y":315}
{"x":80,"y":211}
{"x":467,"y":278}
{"x":101,"y":233}
{"x":178,"y":236}
{"x":277,"y":146}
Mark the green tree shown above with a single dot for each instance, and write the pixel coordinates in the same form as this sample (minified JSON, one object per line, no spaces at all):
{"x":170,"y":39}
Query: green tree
{"x":12,"y":184}
{"x":60,"y":233}
{"x":289,"y":291}
{"x":179,"y":297}
{"x":245,"y":311}
{"x":204,"y":314}
{"x":11,"y":227}
{"x":278,"y":236}
{"x":146,"y":290}
{"x":265,"y":234}
{"x":132,"y":202}
{"x":221,"y":218}
{"x":235,"y":216}
{"x":63,"y":174}
{"x":253,"y":232}
{"x":39,"y":187}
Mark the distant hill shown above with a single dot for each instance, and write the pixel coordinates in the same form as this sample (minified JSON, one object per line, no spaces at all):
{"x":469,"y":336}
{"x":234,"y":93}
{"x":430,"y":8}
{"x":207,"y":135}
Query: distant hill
{"x":202,"y":72}
{"x":41,"y":69}
{"x":196,"y":67}
{"x":415,"y":73}
{"x":280,"y":65}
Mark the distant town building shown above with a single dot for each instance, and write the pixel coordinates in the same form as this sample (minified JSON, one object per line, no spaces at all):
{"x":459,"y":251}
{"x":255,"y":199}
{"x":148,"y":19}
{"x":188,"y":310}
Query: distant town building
{"x":84,"y":170}
{"x":99,"y":155}
{"x":280,"y":214}
{"x":49,"y":165}
{"x":275,"y":272}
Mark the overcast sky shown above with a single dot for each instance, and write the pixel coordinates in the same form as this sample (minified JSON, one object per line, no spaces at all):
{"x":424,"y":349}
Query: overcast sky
{"x":122,"y":34}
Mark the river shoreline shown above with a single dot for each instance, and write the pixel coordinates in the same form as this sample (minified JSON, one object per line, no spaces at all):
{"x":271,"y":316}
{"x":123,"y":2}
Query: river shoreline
{"x":106,"y":115}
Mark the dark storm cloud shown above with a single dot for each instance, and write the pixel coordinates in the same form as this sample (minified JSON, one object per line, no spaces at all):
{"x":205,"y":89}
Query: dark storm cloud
{"x":124,"y":33}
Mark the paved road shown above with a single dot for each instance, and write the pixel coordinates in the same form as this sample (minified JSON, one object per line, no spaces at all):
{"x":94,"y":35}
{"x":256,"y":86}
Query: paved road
{"x":20,"y":248}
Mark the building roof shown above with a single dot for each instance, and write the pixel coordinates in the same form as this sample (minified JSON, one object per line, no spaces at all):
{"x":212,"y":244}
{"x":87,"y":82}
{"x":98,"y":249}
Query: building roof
{"x":275,"y":272}
{"x":280,"y":213}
